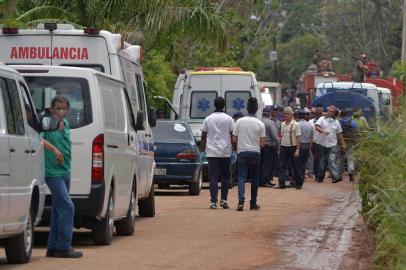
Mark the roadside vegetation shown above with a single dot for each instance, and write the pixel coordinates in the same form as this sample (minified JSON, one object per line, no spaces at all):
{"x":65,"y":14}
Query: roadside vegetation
{"x":382,"y":163}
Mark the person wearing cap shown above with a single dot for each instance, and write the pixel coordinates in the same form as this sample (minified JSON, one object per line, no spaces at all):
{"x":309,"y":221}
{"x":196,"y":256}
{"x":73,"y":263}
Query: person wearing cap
{"x":361,"y":69}
{"x":330,"y":132}
{"x":289,"y":149}
{"x":306,"y":140}
{"x":216,"y":142}
{"x":274,"y":117}
{"x":268,"y":152}
{"x":249,"y":136}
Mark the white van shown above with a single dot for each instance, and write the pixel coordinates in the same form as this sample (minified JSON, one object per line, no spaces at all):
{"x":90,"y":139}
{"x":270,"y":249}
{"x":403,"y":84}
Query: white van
{"x":63,"y":45}
{"x":22,"y":181}
{"x":366,"y":89}
{"x":110,"y":170}
{"x":195,"y":91}
{"x":385,"y":102}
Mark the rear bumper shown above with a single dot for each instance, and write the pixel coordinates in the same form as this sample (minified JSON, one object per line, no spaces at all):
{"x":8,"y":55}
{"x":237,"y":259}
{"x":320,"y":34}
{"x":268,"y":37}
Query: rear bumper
{"x":177,"y":173}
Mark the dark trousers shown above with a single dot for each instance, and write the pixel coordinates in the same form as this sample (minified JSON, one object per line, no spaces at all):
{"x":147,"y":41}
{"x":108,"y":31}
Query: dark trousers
{"x":286,"y":159}
{"x":302,"y":163}
{"x":219,"y":167}
{"x":62,"y":214}
{"x":316,"y":149}
{"x":268,"y":155}
{"x":248,"y":162}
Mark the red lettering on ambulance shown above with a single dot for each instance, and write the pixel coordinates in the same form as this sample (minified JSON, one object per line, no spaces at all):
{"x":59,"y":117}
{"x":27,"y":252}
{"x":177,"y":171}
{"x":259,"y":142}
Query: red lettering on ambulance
{"x":13,"y":54}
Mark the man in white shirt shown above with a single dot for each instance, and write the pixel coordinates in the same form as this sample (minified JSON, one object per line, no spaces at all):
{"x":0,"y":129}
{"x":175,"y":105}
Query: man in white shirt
{"x":216,"y":142}
{"x":329,"y":130}
{"x":290,"y":148}
{"x":249,"y":135}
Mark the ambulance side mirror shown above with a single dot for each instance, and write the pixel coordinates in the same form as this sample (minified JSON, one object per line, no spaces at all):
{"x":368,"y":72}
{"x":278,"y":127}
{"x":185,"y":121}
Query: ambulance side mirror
{"x":152,"y":116}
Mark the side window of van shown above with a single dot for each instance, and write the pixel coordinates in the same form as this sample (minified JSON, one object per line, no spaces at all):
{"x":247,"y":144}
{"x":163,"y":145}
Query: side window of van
{"x":12,"y":105}
{"x":130,"y":113}
{"x":28,"y":108}
{"x":141,"y":95}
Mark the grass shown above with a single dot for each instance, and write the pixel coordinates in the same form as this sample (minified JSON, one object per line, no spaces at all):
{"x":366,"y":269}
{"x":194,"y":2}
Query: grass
{"x":382,"y":164}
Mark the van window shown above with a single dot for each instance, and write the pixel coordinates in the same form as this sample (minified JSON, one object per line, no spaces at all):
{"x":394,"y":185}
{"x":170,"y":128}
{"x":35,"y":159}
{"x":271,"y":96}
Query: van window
{"x":130,"y":114}
{"x":28,"y":108}
{"x":12,"y":106}
{"x":202,"y":104}
{"x":236,"y":101}
{"x":141,"y":95}
{"x":76,"y":90}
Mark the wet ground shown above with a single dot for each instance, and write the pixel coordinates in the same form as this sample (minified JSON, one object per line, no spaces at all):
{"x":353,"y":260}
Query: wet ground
{"x":317,"y":227}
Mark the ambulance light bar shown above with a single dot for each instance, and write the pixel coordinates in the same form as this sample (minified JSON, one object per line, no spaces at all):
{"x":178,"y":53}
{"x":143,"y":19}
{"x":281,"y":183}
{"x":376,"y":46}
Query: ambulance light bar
{"x":10,"y":30}
{"x":91,"y":31}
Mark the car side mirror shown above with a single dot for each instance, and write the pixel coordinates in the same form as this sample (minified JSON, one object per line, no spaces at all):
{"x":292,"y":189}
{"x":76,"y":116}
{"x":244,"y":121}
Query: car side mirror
{"x":49,"y":123}
{"x":152,"y":116}
{"x":139,"y":124}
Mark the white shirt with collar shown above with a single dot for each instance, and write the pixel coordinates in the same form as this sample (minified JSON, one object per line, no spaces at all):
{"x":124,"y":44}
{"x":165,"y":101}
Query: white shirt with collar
{"x":333,"y":127}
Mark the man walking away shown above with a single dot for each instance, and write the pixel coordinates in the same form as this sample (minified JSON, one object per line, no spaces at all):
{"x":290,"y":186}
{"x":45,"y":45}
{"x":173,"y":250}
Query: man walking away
{"x":57,"y":146}
{"x":329,"y":130}
{"x":290,"y":149}
{"x":216,"y":142}
{"x":350,"y":134}
{"x":249,"y":135}
{"x":306,"y":139}
{"x":268,"y":152}
{"x":316,"y":138}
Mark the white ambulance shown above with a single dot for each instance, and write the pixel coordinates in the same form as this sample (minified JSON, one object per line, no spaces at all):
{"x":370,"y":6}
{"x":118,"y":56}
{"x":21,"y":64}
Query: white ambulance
{"x":195,"y":91}
{"x":62,"y":45}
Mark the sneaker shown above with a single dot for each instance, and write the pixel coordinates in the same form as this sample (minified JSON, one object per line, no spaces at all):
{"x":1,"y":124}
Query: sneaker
{"x":298,"y":187}
{"x":71,"y":254}
{"x":213,"y":205}
{"x":280,"y":187}
{"x":224,"y":204}
{"x":240,"y":206}
{"x":255,"y":207}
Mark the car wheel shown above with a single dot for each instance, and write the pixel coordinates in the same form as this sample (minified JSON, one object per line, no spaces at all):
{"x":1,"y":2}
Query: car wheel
{"x":19,"y":248}
{"x":126,"y":226}
{"x":196,"y":187}
{"x":103,"y":230}
{"x":147,"y":206}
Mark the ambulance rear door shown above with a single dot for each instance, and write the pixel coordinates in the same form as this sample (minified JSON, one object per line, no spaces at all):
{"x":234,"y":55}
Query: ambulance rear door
{"x":23,"y":49}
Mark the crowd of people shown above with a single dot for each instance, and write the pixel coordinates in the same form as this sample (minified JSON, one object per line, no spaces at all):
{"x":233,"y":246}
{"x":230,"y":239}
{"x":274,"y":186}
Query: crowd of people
{"x":287,"y":143}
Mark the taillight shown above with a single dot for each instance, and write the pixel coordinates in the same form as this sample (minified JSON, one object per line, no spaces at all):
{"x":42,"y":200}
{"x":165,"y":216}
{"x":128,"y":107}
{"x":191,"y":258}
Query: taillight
{"x":98,"y":159}
{"x":91,"y":31}
{"x":10,"y":30}
{"x":187,"y":154}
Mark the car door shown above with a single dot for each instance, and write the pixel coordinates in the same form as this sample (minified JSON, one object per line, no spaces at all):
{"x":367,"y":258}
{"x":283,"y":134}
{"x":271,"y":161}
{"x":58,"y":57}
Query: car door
{"x":20,"y":155}
{"x":4,"y":161}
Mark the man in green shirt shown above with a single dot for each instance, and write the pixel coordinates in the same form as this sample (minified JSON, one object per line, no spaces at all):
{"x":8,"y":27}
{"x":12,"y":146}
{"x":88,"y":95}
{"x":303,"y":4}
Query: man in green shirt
{"x":58,"y":157}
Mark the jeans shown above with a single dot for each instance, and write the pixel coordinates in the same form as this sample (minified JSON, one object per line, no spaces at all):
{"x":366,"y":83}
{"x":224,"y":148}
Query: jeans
{"x":310,"y":162}
{"x":287,"y":163}
{"x":268,"y":155}
{"x":219,"y":167}
{"x":327,"y":154}
{"x":62,"y":214}
{"x":248,"y":161}
{"x":349,"y":157}
{"x":302,"y":163}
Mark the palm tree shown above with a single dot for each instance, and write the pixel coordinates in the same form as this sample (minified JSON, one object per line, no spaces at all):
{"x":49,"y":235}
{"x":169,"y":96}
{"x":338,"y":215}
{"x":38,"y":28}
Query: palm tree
{"x":150,"y":19}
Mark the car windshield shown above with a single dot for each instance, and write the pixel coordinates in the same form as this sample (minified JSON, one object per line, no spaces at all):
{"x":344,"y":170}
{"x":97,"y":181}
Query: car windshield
{"x":164,"y":131}
{"x":76,"y":90}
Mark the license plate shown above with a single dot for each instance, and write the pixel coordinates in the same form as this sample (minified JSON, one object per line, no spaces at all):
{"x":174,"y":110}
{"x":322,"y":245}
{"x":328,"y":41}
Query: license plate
{"x":159,"y":171}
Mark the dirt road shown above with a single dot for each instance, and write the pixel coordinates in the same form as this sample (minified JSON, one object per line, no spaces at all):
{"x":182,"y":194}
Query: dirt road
{"x":317,"y":227}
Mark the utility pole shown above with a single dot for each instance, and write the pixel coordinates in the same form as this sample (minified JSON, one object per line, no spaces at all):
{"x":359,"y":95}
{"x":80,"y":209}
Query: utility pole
{"x":404,"y":33}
